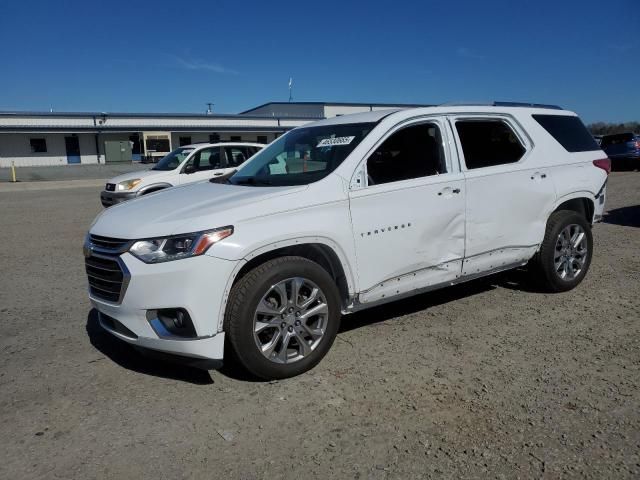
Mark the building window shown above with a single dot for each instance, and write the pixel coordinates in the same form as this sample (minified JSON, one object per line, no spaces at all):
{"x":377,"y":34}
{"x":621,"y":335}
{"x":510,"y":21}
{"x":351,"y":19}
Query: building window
{"x":236,"y":138}
{"x":214,"y":138}
{"x":38,"y":145}
{"x":184,"y":141}
{"x":262,"y":139}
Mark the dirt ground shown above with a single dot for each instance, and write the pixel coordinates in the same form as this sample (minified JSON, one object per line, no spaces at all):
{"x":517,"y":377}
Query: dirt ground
{"x":484,"y":380}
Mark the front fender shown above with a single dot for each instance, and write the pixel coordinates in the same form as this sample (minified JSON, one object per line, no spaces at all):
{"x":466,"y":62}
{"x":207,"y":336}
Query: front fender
{"x":257,"y":250}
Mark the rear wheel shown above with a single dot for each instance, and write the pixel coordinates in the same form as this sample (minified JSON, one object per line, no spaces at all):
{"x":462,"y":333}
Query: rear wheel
{"x":565,"y":253}
{"x":282,"y":317}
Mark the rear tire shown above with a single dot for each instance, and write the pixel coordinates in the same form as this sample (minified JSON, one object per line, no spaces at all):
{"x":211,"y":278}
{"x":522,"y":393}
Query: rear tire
{"x":282,"y":317}
{"x":565,"y":253}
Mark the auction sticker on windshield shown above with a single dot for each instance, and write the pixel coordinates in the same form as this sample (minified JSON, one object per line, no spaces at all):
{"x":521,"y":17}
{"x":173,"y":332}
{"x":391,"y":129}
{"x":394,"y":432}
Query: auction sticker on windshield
{"x":332,"y":142}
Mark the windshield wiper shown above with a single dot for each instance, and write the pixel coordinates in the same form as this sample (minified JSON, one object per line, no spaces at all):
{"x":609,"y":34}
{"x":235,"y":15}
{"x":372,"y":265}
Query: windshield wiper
{"x":252,"y":181}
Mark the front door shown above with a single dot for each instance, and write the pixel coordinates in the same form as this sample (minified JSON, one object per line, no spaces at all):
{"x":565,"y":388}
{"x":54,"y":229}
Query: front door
{"x":73,"y":149}
{"x":206,"y":164}
{"x":506,"y":197}
{"x":408,"y":219}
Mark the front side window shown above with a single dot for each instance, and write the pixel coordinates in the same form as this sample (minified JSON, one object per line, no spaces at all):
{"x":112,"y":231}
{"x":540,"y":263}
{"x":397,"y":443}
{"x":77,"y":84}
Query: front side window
{"x":173,"y":160}
{"x":486,"y":143}
{"x":207,"y":159}
{"x":412,"y":152}
{"x":302,"y":156}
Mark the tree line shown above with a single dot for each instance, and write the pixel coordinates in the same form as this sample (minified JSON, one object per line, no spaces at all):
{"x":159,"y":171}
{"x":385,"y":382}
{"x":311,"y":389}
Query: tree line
{"x":602,"y":128}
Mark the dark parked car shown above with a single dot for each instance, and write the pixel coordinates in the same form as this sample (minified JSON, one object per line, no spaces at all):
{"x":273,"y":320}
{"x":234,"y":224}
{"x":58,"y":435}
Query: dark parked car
{"x":623,"y":149}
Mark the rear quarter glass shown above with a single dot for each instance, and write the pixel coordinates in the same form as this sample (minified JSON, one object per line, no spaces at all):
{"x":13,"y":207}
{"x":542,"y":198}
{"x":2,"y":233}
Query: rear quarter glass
{"x":568,"y":131}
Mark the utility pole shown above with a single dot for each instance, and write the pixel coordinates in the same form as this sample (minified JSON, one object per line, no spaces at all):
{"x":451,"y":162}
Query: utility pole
{"x":210,"y":108}
{"x":290,"y":89}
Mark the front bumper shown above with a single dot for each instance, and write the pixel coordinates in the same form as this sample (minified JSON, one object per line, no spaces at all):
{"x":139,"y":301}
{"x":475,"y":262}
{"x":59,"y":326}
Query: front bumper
{"x":197,"y":285}
{"x":111,"y":198}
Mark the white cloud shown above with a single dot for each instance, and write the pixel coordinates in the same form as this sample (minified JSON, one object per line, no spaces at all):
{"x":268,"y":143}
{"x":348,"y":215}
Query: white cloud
{"x":196,"y":64}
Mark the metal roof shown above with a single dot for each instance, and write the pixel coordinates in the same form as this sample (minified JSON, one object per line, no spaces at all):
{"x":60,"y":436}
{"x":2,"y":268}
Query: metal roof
{"x":340,"y":104}
{"x":14,"y":113}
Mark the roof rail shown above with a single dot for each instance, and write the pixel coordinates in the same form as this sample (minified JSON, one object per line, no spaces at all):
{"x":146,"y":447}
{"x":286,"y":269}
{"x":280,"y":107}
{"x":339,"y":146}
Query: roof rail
{"x":501,"y":104}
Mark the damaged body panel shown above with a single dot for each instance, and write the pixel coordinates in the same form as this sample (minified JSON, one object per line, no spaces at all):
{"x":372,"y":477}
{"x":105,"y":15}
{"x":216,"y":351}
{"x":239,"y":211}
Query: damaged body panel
{"x":341,"y":215}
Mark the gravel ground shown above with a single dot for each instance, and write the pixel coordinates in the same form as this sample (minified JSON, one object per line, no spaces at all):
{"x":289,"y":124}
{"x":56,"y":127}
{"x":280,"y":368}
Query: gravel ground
{"x":484,"y":380}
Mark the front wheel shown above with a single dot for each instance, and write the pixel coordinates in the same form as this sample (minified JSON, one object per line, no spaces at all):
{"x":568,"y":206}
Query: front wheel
{"x":282,"y":317}
{"x":565,"y":253}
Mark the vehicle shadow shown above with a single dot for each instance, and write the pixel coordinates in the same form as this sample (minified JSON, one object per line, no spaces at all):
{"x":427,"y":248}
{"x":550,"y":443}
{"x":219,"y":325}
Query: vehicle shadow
{"x":625,"y":216}
{"x":517,"y":279}
{"x":169,"y":367}
{"x":148,"y":363}
{"x":415,"y":304}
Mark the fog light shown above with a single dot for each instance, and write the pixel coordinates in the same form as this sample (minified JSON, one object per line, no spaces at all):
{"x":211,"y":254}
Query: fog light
{"x":171,"y":322}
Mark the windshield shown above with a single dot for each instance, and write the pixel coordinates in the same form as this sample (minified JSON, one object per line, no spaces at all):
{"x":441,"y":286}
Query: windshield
{"x":174,"y":159}
{"x":302,"y":156}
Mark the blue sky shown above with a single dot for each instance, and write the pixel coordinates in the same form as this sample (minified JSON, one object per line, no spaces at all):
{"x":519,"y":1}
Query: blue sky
{"x":175,"y":56}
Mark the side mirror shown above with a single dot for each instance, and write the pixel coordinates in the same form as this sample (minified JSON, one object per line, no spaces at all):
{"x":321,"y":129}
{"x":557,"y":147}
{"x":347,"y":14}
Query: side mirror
{"x":188,"y":169}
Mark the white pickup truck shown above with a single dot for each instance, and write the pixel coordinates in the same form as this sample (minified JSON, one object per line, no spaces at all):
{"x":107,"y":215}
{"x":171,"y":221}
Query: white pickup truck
{"x":341,"y":215}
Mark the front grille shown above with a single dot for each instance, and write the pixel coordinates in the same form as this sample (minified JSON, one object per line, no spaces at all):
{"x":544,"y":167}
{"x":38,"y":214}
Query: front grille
{"x":108,"y":243}
{"x":110,"y":187}
{"x":106,"y":278}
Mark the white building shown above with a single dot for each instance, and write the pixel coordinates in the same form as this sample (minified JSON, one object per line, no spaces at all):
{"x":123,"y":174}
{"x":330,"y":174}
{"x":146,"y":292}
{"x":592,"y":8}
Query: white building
{"x":36,"y":138}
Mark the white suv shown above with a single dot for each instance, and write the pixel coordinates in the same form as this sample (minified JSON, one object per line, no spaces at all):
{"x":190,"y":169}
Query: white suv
{"x":187,"y":164}
{"x":341,"y":215}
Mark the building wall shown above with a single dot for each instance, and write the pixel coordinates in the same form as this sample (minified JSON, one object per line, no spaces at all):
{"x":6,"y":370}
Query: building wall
{"x":16,"y":147}
{"x":198,"y":137}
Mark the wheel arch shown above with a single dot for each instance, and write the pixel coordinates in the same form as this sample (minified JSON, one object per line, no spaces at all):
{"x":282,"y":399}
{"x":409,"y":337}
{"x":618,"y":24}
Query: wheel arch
{"x":153,"y":188}
{"x":580,"y":202}
{"x":320,"y":250}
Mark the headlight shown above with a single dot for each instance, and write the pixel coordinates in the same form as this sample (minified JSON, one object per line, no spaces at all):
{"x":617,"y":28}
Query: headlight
{"x":166,"y":249}
{"x":128,"y":184}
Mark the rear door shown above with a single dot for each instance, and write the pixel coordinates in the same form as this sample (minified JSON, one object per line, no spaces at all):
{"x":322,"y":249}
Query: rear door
{"x":408,"y":218}
{"x":507,"y":194}
{"x":235,"y":156}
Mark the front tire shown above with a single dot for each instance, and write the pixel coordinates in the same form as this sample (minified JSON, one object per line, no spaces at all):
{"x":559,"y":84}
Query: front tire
{"x":282,"y":317}
{"x":565,"y":254}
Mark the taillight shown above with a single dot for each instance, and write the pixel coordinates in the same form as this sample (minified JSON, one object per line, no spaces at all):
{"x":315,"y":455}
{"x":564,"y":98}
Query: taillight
{"x":603,"y":163}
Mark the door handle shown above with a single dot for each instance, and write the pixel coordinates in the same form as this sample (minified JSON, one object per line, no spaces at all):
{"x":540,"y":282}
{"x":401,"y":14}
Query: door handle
{"x":218,"y":174}
{"x":448,"y":191}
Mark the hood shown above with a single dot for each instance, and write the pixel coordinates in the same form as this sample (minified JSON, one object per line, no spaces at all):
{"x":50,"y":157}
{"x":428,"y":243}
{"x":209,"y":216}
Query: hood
{"x":145,"y":175}
{"x":191,"y":208}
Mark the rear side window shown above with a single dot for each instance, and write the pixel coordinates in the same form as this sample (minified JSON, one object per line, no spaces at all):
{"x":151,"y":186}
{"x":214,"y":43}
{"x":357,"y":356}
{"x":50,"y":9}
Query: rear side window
{"x":569,"y":131}
{"x":236,"y":155}
{"x":486,"y":143}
